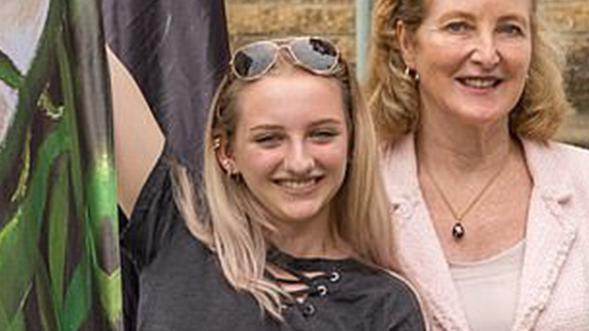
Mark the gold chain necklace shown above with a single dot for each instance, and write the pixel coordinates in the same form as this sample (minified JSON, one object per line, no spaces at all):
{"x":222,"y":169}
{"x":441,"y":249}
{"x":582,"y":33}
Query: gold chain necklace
{"x":458,"y":229}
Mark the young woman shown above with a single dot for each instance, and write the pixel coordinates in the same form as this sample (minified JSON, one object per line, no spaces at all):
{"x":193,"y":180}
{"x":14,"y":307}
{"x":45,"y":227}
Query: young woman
{"x":493,"y":224}
{"x":290,"y":230}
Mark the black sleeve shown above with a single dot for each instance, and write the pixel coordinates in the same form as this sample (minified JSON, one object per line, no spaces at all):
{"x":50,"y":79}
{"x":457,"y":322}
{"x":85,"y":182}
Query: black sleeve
{"x":406,"y":312}
{"x":154,"y":218}
{"x":130,"y":283}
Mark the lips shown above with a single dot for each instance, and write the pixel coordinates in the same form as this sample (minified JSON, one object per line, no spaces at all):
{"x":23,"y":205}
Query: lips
{"x":480,"y":82}
{"x":298,"y":184}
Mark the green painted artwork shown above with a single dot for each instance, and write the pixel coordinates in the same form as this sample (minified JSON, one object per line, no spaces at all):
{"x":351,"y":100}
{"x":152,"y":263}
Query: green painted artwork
{"x":59,"y":255}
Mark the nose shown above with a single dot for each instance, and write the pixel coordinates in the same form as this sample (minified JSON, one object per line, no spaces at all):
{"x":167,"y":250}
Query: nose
{"x":485,"y":52}
{"x":299,"y":160}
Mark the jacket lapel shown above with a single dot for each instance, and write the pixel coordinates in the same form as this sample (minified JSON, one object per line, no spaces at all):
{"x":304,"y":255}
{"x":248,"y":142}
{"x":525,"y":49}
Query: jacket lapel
{"x":550,"y":234}
{"x":419,"y":249}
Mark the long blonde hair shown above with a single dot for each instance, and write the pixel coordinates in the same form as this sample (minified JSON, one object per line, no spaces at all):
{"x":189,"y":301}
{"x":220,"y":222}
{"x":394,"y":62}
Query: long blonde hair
{"x":229,"y":220}
{"x":394,"y":97}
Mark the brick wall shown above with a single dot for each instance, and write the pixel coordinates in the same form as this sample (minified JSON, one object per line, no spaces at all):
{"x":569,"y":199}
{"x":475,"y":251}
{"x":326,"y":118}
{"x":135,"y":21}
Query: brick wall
{"x":258,"y":19}
{"x":570,"y":21}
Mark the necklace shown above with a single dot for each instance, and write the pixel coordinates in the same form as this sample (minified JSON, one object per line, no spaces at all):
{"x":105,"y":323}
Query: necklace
{"x":458,"y":229}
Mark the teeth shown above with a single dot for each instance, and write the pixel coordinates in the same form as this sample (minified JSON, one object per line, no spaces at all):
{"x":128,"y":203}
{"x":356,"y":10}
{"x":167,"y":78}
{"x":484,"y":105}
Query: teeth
{"x":479,"y":82}
{"x":297,"y":184}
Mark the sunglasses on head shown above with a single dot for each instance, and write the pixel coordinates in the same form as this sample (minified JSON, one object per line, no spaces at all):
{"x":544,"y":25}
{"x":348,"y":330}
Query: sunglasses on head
{"x":317,"y":55}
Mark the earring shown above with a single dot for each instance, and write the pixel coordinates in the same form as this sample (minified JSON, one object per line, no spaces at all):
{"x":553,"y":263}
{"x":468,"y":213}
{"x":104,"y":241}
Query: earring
{"x":407,"y":72}
{"x":411,"y":73}
{"x":226,"y":164}
{"x":216,"y":143}
{"x":229,"y":167}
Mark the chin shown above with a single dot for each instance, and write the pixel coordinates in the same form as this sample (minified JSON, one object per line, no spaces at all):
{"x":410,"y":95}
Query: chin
{"x":299,"y":217}
{"x":299,"y":214}
{"x":479,"y":114}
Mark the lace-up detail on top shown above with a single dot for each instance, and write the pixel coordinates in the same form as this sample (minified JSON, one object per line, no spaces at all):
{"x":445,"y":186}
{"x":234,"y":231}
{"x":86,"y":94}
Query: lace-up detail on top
{"x":306,"y":280}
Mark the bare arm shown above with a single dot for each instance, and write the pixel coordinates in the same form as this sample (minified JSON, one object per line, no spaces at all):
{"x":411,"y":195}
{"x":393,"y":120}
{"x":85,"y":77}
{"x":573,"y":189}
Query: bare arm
{"x":138,"y":139}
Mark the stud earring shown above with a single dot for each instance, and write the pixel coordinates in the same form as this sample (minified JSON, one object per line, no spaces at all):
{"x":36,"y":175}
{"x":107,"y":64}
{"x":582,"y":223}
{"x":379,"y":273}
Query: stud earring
{"x":216,"y":143}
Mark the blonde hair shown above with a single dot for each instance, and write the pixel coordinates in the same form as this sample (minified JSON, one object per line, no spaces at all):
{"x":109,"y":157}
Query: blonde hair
{"x":231,"y":222}
{"x":394,"y":97}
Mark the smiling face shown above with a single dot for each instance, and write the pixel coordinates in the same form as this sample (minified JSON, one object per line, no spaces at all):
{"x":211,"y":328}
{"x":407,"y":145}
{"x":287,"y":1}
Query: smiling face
{"x":472,"y":57}
{"x":291,"y":144}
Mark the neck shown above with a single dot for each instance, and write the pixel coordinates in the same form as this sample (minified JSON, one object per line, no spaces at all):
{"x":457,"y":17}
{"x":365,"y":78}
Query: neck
{"x":459,"y":148}
{"x":307,"y":238}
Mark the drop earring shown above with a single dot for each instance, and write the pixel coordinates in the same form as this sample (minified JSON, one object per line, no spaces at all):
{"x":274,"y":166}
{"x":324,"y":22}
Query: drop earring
{"x":229,"y":168}
{"x":411,"y":73}
{"x":226,"y":164}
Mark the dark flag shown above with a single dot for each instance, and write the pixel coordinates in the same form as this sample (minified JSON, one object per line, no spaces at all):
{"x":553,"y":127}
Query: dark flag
{"x":176,"y":52}
{"x":59,"y":258}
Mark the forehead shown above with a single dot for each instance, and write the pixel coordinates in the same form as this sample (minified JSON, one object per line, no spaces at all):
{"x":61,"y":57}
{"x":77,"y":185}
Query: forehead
{"x":285,"y":99}
{"x":436,"y":8}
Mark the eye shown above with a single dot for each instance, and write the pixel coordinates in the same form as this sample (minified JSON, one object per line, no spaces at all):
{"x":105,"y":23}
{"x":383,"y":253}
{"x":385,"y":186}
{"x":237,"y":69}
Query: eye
{"x":268,"y":140}
{"x":324,"y":135}
{"x":511,"y":29}
{"x":457,"y":27}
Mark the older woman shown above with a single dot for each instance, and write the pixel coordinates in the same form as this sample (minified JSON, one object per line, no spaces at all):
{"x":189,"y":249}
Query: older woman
{"x":290,"y":231}
{"x":493,"y":223}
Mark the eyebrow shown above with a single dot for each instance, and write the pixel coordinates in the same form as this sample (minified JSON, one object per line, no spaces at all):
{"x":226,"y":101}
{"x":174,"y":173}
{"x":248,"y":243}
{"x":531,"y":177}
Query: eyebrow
{"x":514,"y":17}
{"x":281,"y":127}
{"x":456,"y":13}
{"x":459,"y":13}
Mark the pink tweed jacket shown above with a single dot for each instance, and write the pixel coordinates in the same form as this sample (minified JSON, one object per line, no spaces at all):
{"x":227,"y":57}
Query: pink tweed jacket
{"x":554,"y":284}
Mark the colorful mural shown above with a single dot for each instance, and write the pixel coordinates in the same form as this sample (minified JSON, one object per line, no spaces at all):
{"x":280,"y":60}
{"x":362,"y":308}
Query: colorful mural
{"x":59,"y":257}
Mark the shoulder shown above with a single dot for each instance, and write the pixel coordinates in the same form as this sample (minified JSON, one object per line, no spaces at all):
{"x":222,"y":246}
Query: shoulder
{"x":399,"y":167}
{"x":155,"y":219}
{"x":558,"y":158}
{"x":559,"y":167}
{"x":393,"y":283}
{"x":559,"y":154}
{"x":571,"y":155}
{"x":395,"y":300}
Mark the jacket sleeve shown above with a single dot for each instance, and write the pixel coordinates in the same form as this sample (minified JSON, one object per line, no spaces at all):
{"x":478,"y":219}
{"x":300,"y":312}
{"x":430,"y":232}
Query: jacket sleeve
{"x":153,"y":220}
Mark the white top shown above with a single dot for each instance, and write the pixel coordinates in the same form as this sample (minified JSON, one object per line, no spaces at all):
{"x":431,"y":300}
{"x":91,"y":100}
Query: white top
{"x":489,"y":289}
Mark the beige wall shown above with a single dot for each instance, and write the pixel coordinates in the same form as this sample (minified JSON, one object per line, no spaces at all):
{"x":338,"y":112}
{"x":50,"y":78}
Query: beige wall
{"x":257,"y":19}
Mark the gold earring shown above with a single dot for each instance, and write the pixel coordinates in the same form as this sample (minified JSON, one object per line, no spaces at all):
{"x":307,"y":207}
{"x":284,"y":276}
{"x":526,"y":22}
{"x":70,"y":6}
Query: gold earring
{"x":407,"y":72}
{"x":411,"y":73}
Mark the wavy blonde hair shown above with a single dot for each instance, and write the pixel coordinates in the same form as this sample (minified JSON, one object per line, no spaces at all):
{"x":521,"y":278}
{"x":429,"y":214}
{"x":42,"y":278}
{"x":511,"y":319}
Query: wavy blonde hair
{"x":229,"y":220}
{"x":394,"y":97}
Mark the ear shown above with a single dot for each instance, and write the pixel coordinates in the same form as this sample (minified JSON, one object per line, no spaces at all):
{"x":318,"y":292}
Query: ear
{"x":224,"y":154}
{"x":406,"y":44}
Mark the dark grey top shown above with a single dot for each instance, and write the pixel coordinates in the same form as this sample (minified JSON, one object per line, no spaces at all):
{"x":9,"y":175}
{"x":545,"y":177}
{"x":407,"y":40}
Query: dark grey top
{"x":182,"y":287}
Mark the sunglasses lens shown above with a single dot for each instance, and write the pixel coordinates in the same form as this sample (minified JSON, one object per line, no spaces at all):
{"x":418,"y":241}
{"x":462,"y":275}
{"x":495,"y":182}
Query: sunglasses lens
{"x":317,"y":54}
{"x":254,"y":59}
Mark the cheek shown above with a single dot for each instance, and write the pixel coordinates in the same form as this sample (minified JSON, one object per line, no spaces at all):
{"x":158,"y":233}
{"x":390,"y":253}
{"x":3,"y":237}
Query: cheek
{"x":334,"y":157}
{"x":519,"y":58}
{"x":258,"y":161}
{"x":432,"y":62}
